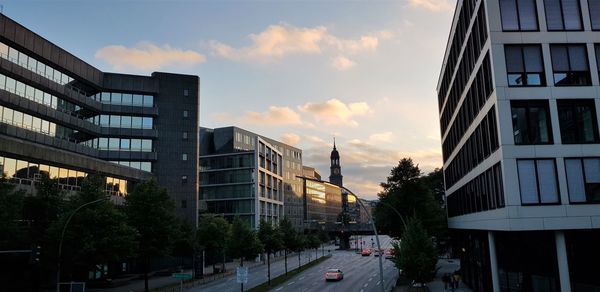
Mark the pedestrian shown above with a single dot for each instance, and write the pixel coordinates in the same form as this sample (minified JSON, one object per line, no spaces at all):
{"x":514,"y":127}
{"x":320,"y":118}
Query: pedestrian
{"x":446,"y":280}
{"x":456,"y":279}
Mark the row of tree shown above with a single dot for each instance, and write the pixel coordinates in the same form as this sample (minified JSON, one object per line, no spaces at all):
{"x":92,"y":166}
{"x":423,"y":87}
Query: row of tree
{"x":417,"y":201}
{"x":220,"y":239}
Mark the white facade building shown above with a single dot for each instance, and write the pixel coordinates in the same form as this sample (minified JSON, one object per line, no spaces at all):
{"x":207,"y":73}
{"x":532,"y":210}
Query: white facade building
{"x":519,"y":93}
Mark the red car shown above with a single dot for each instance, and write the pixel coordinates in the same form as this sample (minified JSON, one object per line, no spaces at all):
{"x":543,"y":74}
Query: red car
{"x":366,"y":252}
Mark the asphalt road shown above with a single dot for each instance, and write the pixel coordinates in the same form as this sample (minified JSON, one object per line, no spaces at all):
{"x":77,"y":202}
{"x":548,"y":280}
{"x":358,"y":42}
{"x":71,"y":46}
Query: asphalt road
{"x":361,"y":274}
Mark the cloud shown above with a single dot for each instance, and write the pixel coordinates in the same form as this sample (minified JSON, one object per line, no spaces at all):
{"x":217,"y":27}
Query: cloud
{"x":282,"y":40}
{"x":433,"y":5}
{"x":274,"y":116}
{"x":335,"y":112}
{"x":290,"y":139}
{"x":381,"y":137}
{"x":342,"y":63}
{"x":147,"y":57}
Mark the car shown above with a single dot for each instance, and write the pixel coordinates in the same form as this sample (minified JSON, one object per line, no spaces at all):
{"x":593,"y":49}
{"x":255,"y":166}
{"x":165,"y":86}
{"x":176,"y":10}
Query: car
{"x":366,"y":252}
{"x":389,"y":254}
{"x":334,"y":275}
{"x":376,"y":253}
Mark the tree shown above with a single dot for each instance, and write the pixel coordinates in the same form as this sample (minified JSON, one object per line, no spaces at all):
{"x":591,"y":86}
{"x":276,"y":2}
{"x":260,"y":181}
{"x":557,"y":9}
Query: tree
{"x":288,"y":237}
{"x":184,"y":244}
{"x":324,"y":238}
{"x":406,"y":195}
{"x":270,"y":237}
{"x":299,"y":246}
{"x":415,"y":255}
{"x":435,"y":183}
{"x":212,"y":236}
{"x":96,"y":234}
{"x":12,"y":236}
{"x":243,"y":243}
{"x":151,"y":212}
{"x":314,"y":242}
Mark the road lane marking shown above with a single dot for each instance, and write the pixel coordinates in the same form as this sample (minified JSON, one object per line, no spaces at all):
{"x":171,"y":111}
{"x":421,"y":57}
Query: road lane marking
{"x":290,"y":283}
{"x":301,"y":278}
{"x":367,"y":284}
{"x":370,"y":279}
{"x":278,"y":288}
{"x":362,"y":290}
{"x":378,"y":282}
{"x":315,"y":283}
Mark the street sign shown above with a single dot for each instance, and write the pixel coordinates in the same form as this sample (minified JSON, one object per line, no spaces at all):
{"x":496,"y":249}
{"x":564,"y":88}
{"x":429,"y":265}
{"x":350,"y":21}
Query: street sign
{"x":181,"y":276}
{"x":242,"y":275}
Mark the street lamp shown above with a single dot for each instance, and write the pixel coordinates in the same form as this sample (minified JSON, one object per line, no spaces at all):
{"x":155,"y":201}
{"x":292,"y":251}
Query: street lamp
{"x":63,"y":235}
{"x":372,"y":224}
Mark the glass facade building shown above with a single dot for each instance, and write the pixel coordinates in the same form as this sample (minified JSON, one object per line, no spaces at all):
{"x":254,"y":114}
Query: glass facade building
{"x":61,"y":117}
{"x":518,"y":96}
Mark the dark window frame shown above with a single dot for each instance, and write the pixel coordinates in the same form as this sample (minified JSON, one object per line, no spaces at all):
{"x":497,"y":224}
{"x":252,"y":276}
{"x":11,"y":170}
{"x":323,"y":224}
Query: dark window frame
{"x":543,"y":103}
{"x":516,"y":2}
{"x":581,"y":159}
{"x":562,"y":16}
{"x":572,"y":104}
{"x":542,"y":74}
{"x":537,"y":182}
{"x":570,"y":73}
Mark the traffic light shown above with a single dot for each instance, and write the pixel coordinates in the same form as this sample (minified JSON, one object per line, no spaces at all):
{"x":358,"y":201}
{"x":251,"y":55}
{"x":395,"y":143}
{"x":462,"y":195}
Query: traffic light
{"x":36,"y":252}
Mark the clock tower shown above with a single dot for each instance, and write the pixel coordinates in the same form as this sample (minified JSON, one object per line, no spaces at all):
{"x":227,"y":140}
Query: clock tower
{"x":336,"y":170}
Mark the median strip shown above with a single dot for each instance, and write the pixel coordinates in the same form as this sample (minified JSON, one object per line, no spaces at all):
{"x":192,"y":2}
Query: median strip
{"x":283,"y":278}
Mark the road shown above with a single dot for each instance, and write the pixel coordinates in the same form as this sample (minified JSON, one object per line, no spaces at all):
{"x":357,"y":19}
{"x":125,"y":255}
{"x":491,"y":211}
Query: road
{"x":361,"y":274}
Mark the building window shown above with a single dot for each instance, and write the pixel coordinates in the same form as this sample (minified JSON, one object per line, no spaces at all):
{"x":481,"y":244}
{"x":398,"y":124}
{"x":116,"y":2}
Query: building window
{"x":531,"y":122}
{"x":594,"y":8}
{"x":183,"y":204}
{"x":563,"y":15}
{"x":518,"y":15}
{"x":524,"y":65}
{"x":185,"y":114}
{"x":184,"y":157}
{"x":577,"y":119}
{"x":537,"y":181}
{"x":186,"y":92}
{"x":583,"y":179}
{"x":570,"y":65}
{"x":184,"y":179}
{"x":184,"y":136}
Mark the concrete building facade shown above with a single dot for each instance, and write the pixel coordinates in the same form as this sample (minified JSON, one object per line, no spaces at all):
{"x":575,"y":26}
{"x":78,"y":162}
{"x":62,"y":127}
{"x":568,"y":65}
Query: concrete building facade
{"x":518,"y":95}
{"x":61,"y":117}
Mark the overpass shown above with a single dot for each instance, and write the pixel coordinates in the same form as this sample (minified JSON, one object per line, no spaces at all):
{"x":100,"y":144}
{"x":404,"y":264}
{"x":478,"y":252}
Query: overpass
{"x":341,"y":231}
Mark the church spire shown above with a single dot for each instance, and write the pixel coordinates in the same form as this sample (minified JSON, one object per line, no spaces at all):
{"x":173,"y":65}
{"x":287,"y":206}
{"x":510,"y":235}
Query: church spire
{"x":333,"y":142}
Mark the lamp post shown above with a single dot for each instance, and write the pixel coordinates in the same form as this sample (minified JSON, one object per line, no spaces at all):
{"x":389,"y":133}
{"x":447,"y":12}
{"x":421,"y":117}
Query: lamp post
{"x":372,"y":225}
{"x":63,"y":235}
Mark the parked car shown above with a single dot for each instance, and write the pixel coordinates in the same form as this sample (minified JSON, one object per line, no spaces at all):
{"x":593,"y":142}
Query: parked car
{"x":389,"y":254}
{"x":334,"y":275}
{"x":366,"y":252}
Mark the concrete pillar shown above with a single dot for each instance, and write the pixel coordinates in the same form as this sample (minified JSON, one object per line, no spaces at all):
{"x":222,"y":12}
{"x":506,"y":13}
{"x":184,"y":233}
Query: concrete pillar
{"x":493,"y":262}
{"x":563,"y":261}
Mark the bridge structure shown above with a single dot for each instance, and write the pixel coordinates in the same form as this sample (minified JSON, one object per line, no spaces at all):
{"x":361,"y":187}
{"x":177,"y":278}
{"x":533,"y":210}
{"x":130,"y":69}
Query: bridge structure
{"x":341,"y":230}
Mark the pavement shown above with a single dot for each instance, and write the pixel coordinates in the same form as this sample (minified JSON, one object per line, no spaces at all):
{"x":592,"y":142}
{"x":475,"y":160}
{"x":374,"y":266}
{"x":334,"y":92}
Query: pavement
{"x":437,"y":285}
{"x":361,"y":274}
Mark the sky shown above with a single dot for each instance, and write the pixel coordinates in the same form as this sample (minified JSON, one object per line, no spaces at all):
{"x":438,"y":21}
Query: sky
{"x":302,"y":72}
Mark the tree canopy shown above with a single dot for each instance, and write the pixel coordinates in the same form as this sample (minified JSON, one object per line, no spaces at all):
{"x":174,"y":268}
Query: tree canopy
{"x":243,"y":243}
{"x":415,"y":255}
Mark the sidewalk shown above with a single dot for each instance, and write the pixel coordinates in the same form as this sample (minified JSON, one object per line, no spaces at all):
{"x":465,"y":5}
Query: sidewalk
{"x":437,"y":285}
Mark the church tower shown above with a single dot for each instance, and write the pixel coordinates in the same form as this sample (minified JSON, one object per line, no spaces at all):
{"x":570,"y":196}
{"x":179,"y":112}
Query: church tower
{"x":335,"y":176}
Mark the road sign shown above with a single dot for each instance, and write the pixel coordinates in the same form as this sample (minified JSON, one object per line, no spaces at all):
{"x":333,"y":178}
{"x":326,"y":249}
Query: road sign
{"x":242,"y":274}
{"x":181,"y":276}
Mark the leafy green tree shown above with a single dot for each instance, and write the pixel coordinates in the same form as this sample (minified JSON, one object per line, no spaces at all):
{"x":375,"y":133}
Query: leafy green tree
{"x":324,"y":238}
{"x":151,"y":212}
{"x":313,"y":242}
{"x":272,"y":241}
{"x":288,"y":237}
{"x":299,"y":246}
{"x":12,"y":235}
{"x":184,"y":243}
{"x":415,"y":255}
{"x":97,"y":233}
{"x":406,"y":195}
{"x":212,"y":235}
{"x":243,"y":243}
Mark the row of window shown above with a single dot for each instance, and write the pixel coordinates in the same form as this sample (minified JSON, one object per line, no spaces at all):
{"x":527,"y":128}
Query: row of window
{"x":470,"y":56}
{"x":539,"y":185}
{"x":226,"y":192}
{"x":226,"y":176}
{"x":458,"y":38}
{"x":230,"y":206}
{"x":481,"y":144}
{"x":479,"y":92}
{"x":576,"y":117}
{"x":232,"y":161}
{"x":141,"y":165}
{"x":24,"y":172}
{"x":120,"y":144}
{"x":124,"y":122}
{"x":483,"y":193}
{"x":29,"y":92}
{"x":32,"y":123}
{"x":561,"y":15}
{"x":32,"y":64}
{"x":130,"y":99}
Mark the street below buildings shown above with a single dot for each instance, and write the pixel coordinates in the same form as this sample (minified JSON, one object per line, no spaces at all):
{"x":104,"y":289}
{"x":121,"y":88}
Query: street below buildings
{"x":361,"y":274}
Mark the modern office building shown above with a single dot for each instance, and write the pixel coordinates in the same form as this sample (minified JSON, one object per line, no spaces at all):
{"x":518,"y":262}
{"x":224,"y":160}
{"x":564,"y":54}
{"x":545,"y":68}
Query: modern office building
{"x":61,"y":117}
{"x":322,"y":202}
{"x":244,"y":174}
{"x":310,"y":172}
{"x":519,"y":93}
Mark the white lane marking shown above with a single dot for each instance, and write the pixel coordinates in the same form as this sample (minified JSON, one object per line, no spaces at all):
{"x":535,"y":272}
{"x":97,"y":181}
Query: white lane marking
{"x":370,"y":279}
{"x":367,"y":284}
{"x":290,"y":283}
{"x":378,"y":282}
{"x":301,"y":278}
{"x":315,"y":283}
{"x":362,"y":290}
{"x":278,"y":288}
